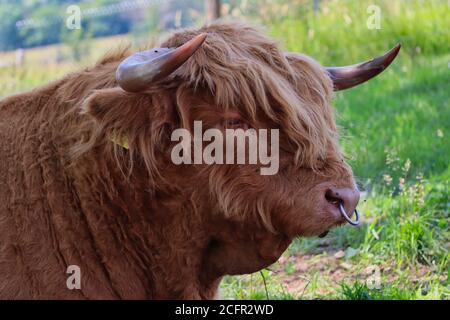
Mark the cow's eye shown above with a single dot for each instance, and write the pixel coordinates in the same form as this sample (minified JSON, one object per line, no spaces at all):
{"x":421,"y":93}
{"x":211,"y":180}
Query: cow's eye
{"x":235,"y":124}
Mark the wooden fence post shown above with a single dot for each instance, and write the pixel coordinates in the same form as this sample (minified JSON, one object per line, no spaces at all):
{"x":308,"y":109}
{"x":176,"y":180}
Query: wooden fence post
{"x":212,"y":8}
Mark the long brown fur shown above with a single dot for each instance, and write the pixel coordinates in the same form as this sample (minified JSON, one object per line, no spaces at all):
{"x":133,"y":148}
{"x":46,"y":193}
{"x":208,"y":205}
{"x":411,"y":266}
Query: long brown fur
{"x":137,"y":225}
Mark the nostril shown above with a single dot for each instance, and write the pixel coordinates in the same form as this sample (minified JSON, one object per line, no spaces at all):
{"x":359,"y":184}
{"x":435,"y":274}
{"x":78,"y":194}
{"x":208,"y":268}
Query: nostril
{"x":333,"y":197}
{"x":349,"y":198}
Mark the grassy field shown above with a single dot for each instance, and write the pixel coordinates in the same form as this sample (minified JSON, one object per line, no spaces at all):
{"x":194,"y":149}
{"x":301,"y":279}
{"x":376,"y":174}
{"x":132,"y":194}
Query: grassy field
{"x":395,"y":133}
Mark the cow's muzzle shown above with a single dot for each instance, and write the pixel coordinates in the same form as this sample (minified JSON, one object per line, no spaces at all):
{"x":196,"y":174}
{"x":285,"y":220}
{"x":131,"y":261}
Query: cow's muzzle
{"x":345,"y":200}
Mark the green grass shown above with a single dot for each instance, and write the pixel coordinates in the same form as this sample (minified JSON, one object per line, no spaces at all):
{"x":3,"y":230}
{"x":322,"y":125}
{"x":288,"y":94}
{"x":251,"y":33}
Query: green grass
{"x":401,"y":116}
{"x":338,"y":33}
{"x":395,"y":132}
{"x":360,"y":291}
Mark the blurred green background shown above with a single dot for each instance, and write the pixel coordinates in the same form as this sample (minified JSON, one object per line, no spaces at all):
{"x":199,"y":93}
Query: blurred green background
{"x":394,"y":129}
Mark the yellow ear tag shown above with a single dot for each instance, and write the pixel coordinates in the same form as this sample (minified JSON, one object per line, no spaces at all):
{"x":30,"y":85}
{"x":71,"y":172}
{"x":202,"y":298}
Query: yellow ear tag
{"x":121,"y":141}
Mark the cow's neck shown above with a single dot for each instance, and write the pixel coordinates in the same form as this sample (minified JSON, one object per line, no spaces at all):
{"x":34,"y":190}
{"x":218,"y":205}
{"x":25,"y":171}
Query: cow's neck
{"x":150,"y":242}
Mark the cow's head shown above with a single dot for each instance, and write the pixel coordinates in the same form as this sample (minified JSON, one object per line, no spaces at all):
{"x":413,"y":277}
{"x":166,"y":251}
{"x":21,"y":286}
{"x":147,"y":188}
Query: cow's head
{"x":234,"y":77}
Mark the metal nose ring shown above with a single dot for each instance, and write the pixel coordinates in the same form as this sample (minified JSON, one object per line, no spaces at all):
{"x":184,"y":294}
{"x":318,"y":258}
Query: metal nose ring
{"x":345,"y":215}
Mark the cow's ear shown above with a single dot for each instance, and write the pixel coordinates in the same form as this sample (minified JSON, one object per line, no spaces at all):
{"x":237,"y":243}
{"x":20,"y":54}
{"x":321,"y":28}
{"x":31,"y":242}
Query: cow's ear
{"x":113,"y":105}
{"x":139,"y":119}
{"x":134,"y":121}
{"x":122,"y":117}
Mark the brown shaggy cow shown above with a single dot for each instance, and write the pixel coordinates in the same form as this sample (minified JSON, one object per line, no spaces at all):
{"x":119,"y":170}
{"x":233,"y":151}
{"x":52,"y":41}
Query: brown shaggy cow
{"x":139,"y":226}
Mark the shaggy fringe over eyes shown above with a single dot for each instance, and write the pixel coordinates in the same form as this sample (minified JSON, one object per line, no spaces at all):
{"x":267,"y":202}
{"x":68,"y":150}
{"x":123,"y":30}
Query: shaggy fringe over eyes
{"x":245,"y":70}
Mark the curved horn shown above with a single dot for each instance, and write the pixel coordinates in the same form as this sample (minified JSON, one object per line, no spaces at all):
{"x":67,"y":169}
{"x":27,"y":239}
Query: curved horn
{"x":137,"y":71}
{"x":350,"y":76}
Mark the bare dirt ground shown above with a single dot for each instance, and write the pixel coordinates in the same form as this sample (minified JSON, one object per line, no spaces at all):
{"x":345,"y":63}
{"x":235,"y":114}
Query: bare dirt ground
{"x":316,"y":275}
